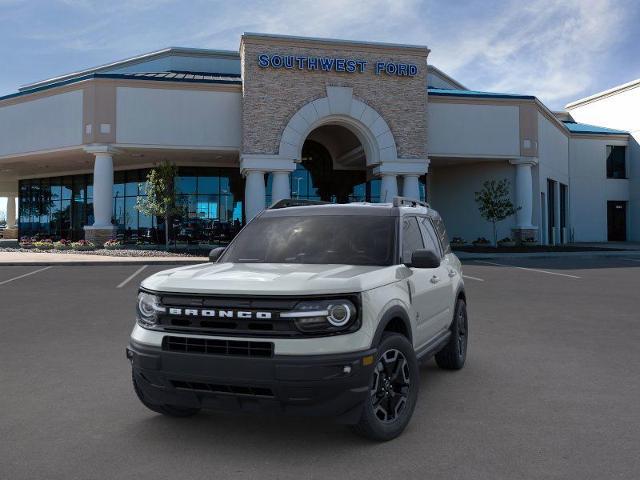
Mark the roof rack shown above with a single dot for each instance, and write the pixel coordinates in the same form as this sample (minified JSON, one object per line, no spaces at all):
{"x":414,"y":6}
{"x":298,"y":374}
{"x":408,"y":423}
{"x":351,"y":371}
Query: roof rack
{"x":408,"y":202}
{"x":295,"y":202}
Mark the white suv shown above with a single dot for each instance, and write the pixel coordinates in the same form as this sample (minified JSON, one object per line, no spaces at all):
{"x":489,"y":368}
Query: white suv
{"x":314,"y":309}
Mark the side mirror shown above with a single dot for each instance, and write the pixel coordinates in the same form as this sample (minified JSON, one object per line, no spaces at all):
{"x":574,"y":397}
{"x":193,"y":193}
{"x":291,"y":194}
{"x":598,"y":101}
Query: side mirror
{"x":214,"y":254}
{"x":424,"y":258}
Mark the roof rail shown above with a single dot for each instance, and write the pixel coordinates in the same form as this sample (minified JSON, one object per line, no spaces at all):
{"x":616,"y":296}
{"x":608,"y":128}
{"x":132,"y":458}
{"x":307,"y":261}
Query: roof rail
{"x":408,"y":202}
{"x":296,"y":202}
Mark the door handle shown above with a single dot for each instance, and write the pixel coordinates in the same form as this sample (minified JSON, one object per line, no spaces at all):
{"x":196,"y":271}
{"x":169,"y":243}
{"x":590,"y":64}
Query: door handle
{"x":435,"y":279}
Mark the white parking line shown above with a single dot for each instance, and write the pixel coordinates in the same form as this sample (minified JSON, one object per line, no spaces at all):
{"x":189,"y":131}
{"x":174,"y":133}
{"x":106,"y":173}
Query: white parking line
{"x":632,"y":259}
{"x":25,"y":275}
{"x":132,"y":276}
{"x":473,"y":278}
{"x":528,"y":269}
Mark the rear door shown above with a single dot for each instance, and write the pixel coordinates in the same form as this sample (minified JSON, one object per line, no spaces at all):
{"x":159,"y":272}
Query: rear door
{"x":423,"y":283}
{"x":442,"y":280}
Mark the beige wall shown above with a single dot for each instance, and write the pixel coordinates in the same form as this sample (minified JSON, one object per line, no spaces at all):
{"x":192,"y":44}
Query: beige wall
{"x":172,"y":117}
{"x":45,"y":123}
{"x":272,"y":96}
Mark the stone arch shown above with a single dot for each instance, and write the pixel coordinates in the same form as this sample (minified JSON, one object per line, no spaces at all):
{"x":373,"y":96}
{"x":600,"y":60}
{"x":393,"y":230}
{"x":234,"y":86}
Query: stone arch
{"x":339,"y":107}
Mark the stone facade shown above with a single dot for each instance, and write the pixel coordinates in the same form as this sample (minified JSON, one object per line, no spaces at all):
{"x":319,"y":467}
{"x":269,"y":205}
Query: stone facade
{"x":272,"y":96}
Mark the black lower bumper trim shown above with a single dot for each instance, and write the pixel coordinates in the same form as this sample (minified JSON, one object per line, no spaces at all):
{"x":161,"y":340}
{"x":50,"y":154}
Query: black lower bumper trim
{"x":316,"y":385}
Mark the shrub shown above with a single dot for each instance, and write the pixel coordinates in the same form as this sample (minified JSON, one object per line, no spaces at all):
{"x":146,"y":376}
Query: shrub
{"x":43,"y":244}
{"x":83,"y":245}
{"x":112,"y":244}
{"x":26,"y":242}
{"x":62,"y":245}
{"x":481,"y":241}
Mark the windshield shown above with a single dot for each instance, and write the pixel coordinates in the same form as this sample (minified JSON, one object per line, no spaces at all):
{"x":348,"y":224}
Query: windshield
{"x":346,"y":239}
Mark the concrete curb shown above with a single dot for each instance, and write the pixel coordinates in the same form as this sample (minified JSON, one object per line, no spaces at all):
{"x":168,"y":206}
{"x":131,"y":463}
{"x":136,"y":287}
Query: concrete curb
{"x":594,"y":254}
{"x":90,"y":263}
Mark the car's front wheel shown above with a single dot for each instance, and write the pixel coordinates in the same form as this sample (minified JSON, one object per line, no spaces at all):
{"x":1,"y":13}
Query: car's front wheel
{"x":393,"y":390}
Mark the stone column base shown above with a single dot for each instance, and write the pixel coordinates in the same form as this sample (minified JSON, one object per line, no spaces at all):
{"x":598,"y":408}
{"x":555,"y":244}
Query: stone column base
{"x":99,"y":235}
{"x":523,"y":234}
{"x":9,"y":233}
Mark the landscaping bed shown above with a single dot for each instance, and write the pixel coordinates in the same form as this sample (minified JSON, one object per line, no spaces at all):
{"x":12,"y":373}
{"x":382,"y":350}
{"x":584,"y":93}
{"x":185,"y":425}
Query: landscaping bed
{"x":109,"y":252}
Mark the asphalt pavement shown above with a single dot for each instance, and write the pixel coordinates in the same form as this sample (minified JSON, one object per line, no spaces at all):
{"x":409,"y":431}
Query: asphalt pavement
{"x":550,"y":389}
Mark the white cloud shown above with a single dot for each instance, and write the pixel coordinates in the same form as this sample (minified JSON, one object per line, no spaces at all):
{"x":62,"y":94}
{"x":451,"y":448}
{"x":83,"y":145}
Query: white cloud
{"x":546,"y":48}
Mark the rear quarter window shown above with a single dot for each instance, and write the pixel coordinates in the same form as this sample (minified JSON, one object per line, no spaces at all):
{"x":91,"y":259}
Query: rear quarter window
{"x":442,"y":234}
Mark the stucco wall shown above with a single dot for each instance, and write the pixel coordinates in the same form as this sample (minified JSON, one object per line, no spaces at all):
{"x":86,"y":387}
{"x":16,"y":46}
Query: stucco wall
{"x":43,"y":124}
{"x":620,"y":111}
{"x":473,"y":129}
{"x":190,"y":118}
{"x":271,"y":96}
{"x":452,"y":193}
{"x":589,"y":189}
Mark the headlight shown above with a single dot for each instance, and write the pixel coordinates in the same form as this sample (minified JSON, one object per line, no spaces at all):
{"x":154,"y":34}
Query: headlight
{"x":148,"y":308}
{"x":323,"y":316}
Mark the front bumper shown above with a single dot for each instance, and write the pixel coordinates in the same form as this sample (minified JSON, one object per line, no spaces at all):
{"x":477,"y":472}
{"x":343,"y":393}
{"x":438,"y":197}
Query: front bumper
{"x":333,"y":385}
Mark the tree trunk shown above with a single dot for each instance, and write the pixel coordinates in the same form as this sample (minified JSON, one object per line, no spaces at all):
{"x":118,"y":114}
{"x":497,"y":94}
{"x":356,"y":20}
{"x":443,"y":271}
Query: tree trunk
{"x":166,"y":232}
{"x":495,"y":235}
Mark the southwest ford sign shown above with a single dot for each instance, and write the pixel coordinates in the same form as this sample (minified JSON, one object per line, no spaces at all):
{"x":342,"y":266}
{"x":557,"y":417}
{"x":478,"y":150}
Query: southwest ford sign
{"x":333,"y":64}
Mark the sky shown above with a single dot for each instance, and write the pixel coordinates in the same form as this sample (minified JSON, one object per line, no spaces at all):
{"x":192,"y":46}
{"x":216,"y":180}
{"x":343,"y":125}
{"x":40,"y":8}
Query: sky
{"x":557,"y":50}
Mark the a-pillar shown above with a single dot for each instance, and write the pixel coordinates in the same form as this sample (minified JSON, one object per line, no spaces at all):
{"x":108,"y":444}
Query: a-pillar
{"x":524,"y":228}
{"x":102,"y":228}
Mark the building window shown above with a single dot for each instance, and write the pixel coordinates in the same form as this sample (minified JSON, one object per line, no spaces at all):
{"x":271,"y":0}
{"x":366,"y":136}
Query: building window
{"x":616,"y":164}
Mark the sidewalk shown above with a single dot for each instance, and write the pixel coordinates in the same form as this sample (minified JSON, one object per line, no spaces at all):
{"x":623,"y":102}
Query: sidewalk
{"x":37,"y":259}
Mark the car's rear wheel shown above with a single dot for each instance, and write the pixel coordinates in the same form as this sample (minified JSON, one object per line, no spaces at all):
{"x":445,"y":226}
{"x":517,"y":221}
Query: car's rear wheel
{"x":169,"y":410}
{"x":454,"y":354}
{"x":393,"y":390}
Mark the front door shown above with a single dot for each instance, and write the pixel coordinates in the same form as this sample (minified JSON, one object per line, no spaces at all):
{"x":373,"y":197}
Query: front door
{"x":617,"y":221}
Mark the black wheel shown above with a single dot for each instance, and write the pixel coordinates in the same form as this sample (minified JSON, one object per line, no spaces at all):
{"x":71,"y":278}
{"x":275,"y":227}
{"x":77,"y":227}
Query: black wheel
{"x":454,"y":354}
{"x":169,"y":410}
{"x":394,"y":390}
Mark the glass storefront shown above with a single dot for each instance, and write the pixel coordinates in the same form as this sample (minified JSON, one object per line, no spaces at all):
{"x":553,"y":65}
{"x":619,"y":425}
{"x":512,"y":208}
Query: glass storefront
{"x":211,"y":199}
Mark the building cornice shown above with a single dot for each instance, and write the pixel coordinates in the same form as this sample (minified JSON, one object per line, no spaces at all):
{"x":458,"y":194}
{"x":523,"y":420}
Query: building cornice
{"x":311,"y":42}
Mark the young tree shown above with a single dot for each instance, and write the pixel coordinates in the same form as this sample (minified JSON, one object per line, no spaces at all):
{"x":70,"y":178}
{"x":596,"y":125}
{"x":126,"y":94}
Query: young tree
{"x":494,"y":203}
{"x":161,"y":200}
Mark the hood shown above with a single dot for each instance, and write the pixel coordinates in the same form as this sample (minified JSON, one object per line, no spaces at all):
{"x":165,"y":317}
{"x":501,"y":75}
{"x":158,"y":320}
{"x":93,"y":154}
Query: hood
{"x":271,"y":279}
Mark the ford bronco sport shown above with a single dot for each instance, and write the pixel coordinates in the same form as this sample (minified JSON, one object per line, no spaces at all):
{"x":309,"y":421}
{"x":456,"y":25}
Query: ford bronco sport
{"x":313,"y":309}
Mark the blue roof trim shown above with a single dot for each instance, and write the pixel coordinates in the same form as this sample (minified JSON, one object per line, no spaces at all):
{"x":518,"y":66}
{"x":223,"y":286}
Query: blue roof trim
{"x":444,"y":92}
{"x":225,"y":80}
{"x":585,"y":128}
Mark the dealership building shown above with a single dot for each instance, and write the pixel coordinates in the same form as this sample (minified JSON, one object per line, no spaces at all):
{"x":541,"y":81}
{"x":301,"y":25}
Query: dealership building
{"x":309,"y":118}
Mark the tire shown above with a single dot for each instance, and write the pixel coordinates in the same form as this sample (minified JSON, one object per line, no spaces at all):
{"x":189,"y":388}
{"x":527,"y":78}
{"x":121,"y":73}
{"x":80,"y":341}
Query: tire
{"x":169,"y":410}
{"x":395,"y":383}
{"x":454,"y":353}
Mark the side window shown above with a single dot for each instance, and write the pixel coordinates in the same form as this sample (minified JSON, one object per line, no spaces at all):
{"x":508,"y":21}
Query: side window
{"x":411,"y":238}
{"x":430,"y":238}
{"x":442,"y":234}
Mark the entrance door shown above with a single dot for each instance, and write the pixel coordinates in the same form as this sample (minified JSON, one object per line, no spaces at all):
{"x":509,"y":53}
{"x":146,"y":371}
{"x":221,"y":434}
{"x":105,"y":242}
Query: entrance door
{"x":617,"y":221}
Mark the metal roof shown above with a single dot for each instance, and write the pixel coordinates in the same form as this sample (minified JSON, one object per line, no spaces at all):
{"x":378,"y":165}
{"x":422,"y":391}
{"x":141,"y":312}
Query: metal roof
{"x":187,"y":77}
{"x":444,"y":92}
{"x":585,"y":128}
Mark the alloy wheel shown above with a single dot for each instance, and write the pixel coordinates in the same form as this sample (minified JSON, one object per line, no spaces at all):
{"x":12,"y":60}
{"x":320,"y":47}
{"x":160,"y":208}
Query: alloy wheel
{"x":391,"y":384}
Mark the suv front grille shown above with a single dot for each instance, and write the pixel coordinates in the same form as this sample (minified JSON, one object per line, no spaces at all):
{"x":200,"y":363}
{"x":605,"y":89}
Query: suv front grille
{"x":228,"y":389}
{"x":218,"y":347}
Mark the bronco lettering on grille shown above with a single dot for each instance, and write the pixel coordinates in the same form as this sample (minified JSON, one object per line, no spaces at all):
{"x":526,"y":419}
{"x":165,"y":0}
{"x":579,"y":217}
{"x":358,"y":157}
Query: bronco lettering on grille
{"x":192,"y":312}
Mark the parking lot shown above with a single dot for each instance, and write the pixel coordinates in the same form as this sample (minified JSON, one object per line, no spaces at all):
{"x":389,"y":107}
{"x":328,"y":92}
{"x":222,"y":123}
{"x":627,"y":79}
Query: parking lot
{"x":551,"y":388}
